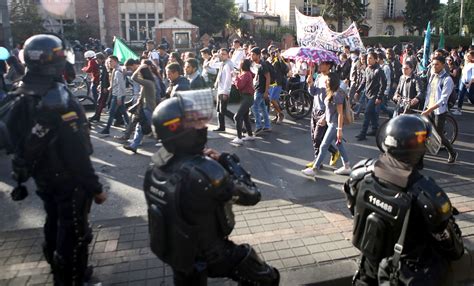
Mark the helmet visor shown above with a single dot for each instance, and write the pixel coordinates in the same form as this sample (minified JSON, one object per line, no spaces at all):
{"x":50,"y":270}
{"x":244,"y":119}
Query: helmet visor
{"x":197,"y":106}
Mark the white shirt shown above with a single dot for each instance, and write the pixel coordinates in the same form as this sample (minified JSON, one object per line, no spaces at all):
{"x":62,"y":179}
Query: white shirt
{"x":224,"y":78}
{"x":237,"y":57}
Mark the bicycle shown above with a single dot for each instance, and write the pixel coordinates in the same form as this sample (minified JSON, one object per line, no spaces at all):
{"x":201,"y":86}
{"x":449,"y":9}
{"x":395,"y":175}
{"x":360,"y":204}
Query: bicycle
{"x":298,"y":103}
{"x":403,"y":107}
{"x":81,"y":88}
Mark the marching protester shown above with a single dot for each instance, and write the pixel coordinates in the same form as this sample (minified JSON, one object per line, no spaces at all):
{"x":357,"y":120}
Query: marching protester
{"x":280,"y":71}
{"x":440,"y":86}
{"x":467,"y":79}
{"x":223,"y":85}
{"x":191,"y":69}
{"x":209,"y":70}
{"x":375,"y":84}
{"x":103,"y":86}
{"x":92,"y":69}
{"x":177,"y":82}
{"x":244,"y":84}
{"x":145,"y":105}
{"x":334,"y":120}
{"x":117,"y":94}
{"x":261,"y":84}
{"x":409,"y":90}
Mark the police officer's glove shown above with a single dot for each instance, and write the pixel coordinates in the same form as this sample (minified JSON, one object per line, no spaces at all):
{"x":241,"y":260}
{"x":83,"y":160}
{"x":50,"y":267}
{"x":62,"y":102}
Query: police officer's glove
{"x":100,"y":198}
{"x":19,"y":193}
{"x":20,"y":171}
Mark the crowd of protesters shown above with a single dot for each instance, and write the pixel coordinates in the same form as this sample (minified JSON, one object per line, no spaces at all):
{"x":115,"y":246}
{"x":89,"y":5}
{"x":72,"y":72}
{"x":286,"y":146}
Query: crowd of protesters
{"x":370,"y":81}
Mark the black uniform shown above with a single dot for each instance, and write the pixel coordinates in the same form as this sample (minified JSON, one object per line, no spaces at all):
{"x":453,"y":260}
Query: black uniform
{"x":52,"y":145}
{"x":379,"y":193}
{"x":190,"y":197}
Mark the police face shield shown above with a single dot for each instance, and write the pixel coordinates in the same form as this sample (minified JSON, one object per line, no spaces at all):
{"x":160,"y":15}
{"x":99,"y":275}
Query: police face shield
{"x":69,"y":53}
{"x":197,"y":106}
{"x":433,"y":141}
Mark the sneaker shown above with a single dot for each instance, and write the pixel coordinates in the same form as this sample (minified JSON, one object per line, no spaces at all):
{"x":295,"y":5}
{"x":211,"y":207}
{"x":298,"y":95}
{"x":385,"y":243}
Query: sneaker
{"x":281,"y":116}
{"x":267,"y":130}
{"x":237,"y":141}
{"x":309,"y":164}
{"x":452,"y":158}
{"x":130,"y":148}
{"x":258,"y":131}
{"x":248,"y":138}
{"x":105,"y":132}
{"x":361,"y":137}
{"x":343,"y":171}
{"x":309,"y":172}
{"x":94,"y":118}
{"x":334,"y":158}
{"x":219,"y":130}
{"x":371,"y":133}
{"x":456,"y":112}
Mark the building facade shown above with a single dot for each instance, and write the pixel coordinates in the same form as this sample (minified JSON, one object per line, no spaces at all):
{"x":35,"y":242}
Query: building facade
{"x":5,"y":32}
{"x":132,"y":20}
{"x":383,"y":17}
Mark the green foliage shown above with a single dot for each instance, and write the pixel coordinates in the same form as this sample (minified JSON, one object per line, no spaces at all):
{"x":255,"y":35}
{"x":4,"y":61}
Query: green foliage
{"x":418,"y":13}
{"x":343,"y":10}
{"x":25,"y":20}
{"x":212,"y":16}
{"x":79,"y":31}
{"x":447,"y":16}
{"x":390,"y":41}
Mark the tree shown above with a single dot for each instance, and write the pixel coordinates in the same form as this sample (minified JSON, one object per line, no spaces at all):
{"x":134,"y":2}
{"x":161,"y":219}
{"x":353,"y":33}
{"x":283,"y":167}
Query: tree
{"x":345,"y":9}
{"x":25,"y":21}
{"x":418,"y":13}
{"x":211,"y":16}
{"x":447,"y":16}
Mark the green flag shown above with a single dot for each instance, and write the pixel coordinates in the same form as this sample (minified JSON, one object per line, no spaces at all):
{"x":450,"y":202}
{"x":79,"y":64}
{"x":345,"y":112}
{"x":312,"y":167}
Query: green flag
{"x":123,"y":52}
{"x":441,"y":40}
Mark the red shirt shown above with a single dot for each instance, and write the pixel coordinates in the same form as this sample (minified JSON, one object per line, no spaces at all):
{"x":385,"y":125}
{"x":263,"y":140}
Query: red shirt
{"x":244,"y":83}
{"x":93,"y":69}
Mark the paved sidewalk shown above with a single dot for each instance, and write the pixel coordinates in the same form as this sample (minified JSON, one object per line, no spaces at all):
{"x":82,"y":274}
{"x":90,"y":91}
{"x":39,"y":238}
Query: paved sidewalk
{"x":309,"y":243}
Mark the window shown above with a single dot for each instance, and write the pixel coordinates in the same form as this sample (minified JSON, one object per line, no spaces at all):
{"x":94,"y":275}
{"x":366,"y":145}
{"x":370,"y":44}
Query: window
{"x":390,"y":8}
{"x":138,"y":27}
{"x":307,"y":7}
{"x":390,"y":30}
{"x":181,"y":40}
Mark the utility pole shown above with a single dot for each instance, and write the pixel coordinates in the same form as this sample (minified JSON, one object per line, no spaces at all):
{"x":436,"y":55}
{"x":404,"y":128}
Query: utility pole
{"x":461,"y":18}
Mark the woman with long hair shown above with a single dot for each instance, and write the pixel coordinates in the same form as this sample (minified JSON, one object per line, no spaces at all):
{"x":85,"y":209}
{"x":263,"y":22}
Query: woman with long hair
{"x":334,"y":119}
{"x":159,"y":85}
{"x":244,"y":84}
{"x":146,"y":104}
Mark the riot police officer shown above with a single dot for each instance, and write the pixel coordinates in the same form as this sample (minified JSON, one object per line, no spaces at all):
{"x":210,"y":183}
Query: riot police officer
{"x":399,"y":214}
{"x":190,"y":191}
{"x":47,"y":131}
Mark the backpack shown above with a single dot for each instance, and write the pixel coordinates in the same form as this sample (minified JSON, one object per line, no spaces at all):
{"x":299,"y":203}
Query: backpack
{"x":453,"y":96}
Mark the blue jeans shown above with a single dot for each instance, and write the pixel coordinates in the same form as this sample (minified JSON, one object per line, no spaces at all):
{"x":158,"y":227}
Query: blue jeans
{"x":383,"y":107}
{"x":117,"y":110}
{"x":329,"y":138}
{"x":95,"y":93}
{"x":371,"y":116}
{"x":362,"y":103}
{"x":138,"y":137}
{"x":260,"y":106}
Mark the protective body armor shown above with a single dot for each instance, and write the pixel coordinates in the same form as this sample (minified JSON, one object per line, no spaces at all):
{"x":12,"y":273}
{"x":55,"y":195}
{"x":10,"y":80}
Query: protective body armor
{"x":190,"y":206}
{"x":379,"y":209}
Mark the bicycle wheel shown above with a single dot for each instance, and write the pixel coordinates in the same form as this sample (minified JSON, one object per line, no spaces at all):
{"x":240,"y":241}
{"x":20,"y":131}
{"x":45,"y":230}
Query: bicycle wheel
{"x":378,"y":138}
{"x":298,"y":103}
{"x":450,"y":128}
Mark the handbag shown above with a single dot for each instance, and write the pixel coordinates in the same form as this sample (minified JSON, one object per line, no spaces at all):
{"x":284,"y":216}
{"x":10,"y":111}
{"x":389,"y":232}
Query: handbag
{"x":347,"y":110}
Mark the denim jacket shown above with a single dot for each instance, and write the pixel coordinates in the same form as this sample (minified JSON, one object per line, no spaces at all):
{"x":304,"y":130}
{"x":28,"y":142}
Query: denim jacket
{"x":444,"y":89}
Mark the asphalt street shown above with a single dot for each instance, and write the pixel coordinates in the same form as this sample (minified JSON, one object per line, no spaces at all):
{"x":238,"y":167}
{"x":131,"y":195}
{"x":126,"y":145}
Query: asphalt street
{"x":274,"y":160}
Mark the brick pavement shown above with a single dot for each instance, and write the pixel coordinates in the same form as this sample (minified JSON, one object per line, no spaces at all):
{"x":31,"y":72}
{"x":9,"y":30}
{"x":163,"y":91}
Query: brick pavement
{"x":289,"y":236}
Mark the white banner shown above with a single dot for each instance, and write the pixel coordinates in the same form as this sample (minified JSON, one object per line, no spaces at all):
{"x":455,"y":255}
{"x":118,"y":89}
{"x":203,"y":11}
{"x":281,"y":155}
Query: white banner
{"x":314,"y":32}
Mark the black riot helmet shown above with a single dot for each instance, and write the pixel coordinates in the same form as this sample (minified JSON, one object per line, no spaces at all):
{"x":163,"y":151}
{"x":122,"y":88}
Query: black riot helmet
{"x":46,"y":55}
{"x":181,"y":121}
{"x":404,"y":138}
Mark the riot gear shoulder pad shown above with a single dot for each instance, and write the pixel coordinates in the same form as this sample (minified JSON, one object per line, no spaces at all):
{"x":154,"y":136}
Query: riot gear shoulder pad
{"x":433,"y":202}
{"x":359,"y":171}
{"x":208,"y":175}
{"x":55,"y":100}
